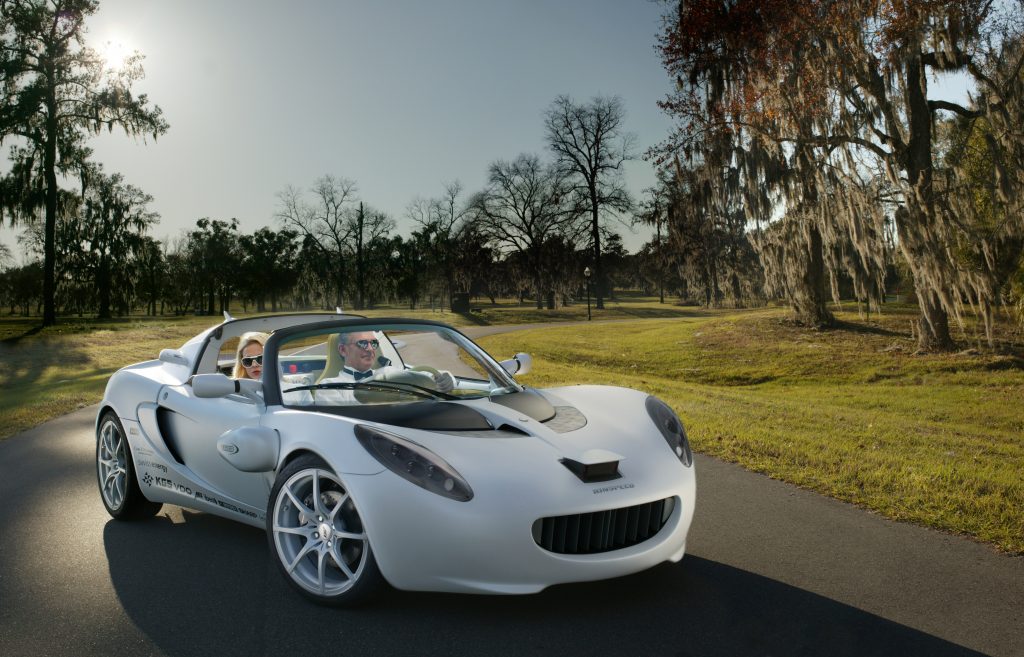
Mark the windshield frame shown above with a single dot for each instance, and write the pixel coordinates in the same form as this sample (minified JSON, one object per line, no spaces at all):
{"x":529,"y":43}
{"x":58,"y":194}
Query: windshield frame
{"x":272,"y":384}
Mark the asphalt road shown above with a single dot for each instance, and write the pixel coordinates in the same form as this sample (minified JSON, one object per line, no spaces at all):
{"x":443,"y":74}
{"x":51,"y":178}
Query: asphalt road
{"x":771,"y":570}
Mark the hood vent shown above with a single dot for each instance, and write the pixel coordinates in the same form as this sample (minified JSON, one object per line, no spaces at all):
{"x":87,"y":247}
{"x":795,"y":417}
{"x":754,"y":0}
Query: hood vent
{"x":513,"y":429}
{"x":593,"y":472}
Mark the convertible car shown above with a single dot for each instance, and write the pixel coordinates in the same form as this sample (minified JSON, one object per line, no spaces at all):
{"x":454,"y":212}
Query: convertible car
{"x":434,"y":471}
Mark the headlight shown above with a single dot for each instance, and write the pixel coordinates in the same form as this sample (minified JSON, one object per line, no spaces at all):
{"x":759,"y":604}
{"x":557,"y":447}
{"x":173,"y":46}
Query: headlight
{"x":671,"y":428}
{"x":414,"y":463}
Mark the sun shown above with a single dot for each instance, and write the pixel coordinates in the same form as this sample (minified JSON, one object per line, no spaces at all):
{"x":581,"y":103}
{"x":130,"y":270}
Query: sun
{"x":115,"y":51}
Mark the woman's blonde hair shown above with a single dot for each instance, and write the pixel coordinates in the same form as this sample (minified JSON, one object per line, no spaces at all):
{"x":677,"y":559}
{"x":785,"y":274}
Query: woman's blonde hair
{"x":243,"y":342}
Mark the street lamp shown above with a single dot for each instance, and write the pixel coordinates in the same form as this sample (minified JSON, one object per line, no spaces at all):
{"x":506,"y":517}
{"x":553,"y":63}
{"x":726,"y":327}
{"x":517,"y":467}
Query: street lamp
{"x":586,"y":275}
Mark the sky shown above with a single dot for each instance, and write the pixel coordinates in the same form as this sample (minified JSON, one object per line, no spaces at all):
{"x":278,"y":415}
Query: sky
{"x":401,"y":96}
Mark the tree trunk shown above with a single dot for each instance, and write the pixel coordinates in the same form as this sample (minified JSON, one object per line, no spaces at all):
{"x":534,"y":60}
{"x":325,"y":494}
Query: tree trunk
{"x":917,"y":230}
{"x":810,"y":300}
{"x":737,"y":291}
{"x":595,"y":231}
{"x":50,"y":229}
{"x":103,"y":287}
{"x":360,"y":267}
{"x":933,"y":325}
{"x":339,"y":281}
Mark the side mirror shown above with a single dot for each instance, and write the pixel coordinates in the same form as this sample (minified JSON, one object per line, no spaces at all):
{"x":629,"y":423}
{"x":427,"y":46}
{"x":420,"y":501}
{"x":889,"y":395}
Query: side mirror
{"x":209,"y":386}
{"x":519,"y":364}
{"x":174,"y":357}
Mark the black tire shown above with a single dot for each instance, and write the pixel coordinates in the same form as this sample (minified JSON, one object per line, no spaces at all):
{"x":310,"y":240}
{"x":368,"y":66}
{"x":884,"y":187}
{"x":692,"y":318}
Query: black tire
{"x":339,"y":572}
{"x":115,"y":473}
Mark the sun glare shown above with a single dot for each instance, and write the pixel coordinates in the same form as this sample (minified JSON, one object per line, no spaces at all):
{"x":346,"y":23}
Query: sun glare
{"x":115,"y":51}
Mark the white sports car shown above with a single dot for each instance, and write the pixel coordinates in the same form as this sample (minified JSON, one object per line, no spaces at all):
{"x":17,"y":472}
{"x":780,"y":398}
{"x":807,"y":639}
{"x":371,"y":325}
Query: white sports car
{"x":431,"y":469}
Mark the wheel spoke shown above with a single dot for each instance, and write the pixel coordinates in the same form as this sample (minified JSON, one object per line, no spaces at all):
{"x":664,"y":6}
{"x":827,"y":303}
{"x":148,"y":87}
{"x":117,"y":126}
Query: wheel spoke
{"x":322,"y":570}
{"x":302,"y":553}
{"x":306,"y":532}
{"x":316,"y":492}
{"x":336,"y":553}
{"x":337,"y":507}
{"x":349,"y":535}
{"x":302,"y":508}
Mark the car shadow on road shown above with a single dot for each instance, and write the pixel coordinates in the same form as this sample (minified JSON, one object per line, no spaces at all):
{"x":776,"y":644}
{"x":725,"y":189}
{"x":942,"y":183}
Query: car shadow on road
{"x":208,"y":585}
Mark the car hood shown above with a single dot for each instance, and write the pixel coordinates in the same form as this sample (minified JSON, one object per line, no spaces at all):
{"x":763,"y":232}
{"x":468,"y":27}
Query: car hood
{"x":582,"y":421}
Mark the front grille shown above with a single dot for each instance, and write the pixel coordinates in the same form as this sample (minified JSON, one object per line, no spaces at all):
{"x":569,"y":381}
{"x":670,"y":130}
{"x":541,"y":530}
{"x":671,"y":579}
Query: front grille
{"x":602,"y":531}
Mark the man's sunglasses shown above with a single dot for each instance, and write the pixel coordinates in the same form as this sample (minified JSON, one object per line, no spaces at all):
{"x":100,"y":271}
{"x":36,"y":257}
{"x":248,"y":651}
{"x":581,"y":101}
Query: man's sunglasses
{"x":249,"y":361}
{"x":366,"y":344}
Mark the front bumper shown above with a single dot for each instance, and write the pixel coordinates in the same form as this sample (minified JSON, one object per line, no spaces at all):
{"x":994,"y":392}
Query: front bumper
{"x":424,"y":542}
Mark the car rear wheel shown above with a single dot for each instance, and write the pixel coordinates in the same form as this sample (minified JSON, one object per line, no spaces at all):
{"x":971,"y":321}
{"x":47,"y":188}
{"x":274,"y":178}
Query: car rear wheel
{"x":317,"y":536}
{"x":115,"y":473}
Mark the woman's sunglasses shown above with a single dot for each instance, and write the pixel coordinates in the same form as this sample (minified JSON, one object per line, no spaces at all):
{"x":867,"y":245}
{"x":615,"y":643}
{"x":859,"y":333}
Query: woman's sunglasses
{"x":249,"y":361}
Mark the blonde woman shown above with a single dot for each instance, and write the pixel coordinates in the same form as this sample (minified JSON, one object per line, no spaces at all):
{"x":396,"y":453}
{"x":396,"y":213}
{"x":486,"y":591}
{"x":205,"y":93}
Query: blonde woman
{"x":249,"y":357}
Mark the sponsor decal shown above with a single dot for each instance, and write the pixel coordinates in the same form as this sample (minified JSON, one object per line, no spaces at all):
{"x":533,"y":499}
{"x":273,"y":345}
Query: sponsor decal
{"x":153,"y":464}
{"x":170,"y":484}
{"x":608,"y":489}
{"x":200,"y":495}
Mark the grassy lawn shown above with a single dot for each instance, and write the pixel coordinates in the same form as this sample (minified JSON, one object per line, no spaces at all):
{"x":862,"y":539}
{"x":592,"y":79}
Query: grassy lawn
{"x":851,"y":413}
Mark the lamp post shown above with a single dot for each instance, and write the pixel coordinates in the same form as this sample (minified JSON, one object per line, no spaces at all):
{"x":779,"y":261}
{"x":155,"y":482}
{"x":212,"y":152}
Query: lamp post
{"x":586,"y":275}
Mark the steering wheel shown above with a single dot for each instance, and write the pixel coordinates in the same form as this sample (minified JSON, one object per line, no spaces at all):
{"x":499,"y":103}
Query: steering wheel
{"x":425,"y":368}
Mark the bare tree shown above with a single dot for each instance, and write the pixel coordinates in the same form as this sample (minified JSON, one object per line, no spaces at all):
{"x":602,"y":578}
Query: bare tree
{"x":368,"y":226}
{"x":442,"y":220}
{"x":325,"y":222}
{"x":524,"y":205}
{"x":591,"y":145}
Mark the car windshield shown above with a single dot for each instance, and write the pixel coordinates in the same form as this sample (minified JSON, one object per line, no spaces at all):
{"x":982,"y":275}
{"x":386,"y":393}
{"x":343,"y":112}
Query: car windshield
{"x":385,"y":364}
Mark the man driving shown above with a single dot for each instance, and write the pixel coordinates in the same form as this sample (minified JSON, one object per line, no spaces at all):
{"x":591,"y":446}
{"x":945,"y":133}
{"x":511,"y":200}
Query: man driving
{"x":358,"y":351}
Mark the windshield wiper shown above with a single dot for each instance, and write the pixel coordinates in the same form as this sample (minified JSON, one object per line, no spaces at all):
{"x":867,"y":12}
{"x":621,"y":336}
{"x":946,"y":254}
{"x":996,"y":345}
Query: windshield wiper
{"x":390,"y":386}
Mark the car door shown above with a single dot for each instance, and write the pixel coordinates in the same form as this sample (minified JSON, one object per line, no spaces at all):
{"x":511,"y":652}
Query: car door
{"x":191,"y":426}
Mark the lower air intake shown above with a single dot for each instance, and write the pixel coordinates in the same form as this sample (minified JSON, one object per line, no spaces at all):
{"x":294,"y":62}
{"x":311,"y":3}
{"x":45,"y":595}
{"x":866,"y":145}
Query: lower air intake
{"x":602,"y":531}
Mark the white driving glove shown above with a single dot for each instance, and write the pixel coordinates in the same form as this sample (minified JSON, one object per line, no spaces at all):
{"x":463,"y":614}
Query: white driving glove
{"x":444,"y":381}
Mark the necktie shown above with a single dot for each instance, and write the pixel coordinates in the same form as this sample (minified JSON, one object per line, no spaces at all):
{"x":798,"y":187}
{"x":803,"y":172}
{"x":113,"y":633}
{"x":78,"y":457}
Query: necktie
{"x":359,"y":376}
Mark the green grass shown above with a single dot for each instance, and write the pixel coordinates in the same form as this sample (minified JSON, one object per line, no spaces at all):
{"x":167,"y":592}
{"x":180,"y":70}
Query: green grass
{"x":851,"y":413}
{"x":936,"y":439}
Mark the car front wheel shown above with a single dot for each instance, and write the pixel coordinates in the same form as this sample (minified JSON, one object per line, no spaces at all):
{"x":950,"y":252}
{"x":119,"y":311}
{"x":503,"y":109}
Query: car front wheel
{"x":317,"y":536}
{"x":115,"y":473}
